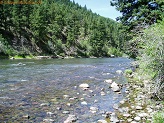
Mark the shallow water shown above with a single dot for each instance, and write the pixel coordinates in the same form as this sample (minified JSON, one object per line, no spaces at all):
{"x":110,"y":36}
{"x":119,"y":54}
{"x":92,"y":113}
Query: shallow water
{"x":29,"y":89}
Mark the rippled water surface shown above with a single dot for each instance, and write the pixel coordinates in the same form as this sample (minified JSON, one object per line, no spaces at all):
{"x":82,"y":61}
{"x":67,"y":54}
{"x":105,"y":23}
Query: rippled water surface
{"x":30,"y":89}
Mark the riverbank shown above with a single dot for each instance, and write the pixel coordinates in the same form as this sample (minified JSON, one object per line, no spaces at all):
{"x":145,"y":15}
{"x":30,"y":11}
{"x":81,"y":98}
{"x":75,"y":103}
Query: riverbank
{"x":138,"y":107}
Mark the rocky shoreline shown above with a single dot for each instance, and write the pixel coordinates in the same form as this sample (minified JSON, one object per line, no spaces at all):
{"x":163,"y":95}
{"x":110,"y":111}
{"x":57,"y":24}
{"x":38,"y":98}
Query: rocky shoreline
{"x":137,"y":107}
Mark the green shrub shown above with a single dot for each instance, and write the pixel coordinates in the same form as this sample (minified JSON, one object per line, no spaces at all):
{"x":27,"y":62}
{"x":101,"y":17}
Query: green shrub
{"x":128,"y":71}
{"x":152,"y":57}
{"x":158,"y":117}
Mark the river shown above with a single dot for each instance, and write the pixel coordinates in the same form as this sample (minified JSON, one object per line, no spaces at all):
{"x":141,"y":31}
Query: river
{"x":32,"y":90}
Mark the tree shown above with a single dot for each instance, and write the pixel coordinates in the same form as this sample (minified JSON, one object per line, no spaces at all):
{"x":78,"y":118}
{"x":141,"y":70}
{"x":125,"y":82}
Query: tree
{"x":137,"y":14}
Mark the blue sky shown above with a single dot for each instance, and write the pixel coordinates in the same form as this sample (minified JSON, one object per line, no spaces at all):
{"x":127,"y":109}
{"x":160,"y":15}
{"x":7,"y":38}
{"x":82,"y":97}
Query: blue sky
{"x":101,"y":7}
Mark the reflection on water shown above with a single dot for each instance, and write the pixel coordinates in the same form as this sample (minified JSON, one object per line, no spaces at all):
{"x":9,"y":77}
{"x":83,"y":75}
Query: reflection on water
{"x":31,"y":88}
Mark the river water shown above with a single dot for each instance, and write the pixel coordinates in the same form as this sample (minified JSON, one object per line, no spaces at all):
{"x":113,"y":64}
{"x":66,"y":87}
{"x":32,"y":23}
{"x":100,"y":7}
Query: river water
{"x":31,"y":91}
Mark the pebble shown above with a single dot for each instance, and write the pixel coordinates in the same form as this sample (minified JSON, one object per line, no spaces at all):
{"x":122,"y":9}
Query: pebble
{"x":107,"y":114}
{"x":126,"y":115}
{"x":142,"y":114}
{"x":58,"y":108}
{"x":95,"y":101}
{"x":66,"y":96}
{"x":138,"y":107}
{"x":129,"y":120}
{"x":133,"y":112}
{"x":69,"y":104}
{"x":149,"y":110}
{"x":115,"y":106}
{"x":66,"y":112}
{"x":132,"y":106}
{"x":137,"y":118}
{"x":122,"y":101}
{"x":50,"y":113}
{"x":102,"y":93}
{"x":26,"y":116}
{"x":45,"y":104}
{"x":134,"y":122}
{"x":114,"y":118}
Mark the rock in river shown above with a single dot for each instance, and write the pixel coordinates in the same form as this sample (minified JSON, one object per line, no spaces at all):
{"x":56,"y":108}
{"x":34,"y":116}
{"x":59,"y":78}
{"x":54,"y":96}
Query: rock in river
{"x":71,"y":119}
{"x":102,"y":121}
{"x":84,"y":85}
{"x":119,"y":72}
{"x":115,"y":87}
{"x":108,"y":81}
{"x":84,"y":103}
{"x":48,"y":120}
{"x":114,"y":118}
{"x":93,"y":109}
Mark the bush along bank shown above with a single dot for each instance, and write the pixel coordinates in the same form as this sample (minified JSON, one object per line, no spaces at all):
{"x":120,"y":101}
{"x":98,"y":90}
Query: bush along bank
{"x":138,"y":106}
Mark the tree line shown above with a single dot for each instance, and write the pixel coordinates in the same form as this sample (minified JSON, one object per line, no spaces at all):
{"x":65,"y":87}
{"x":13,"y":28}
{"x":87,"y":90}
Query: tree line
{"x":58,"y":28}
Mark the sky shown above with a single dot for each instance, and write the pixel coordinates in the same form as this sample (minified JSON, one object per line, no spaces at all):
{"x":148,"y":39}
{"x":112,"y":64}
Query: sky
{"x":101,"y":7}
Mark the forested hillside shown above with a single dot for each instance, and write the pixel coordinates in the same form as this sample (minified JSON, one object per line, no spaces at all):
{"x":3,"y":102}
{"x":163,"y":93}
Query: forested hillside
{"x":57,"y":28}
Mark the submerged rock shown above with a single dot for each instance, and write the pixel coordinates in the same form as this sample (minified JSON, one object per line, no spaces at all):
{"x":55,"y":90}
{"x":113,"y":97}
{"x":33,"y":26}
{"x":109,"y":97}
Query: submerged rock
{"x":115,"y":106}
{"x":48,"y":120}
{"x":102,"y":93}
{"x":71,"y":119}
{"x":119,"y":72}
{"x":45,"y":104}
{"x":50,"y":113}
{"x":84,"y":103}
{"x":66,"y":96}
{"x":93,"y":109}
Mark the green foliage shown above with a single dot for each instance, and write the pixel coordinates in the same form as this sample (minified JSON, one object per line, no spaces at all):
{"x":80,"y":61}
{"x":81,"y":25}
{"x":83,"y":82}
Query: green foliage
{"x":158,"y":117}
{"x":152,"y":58}
{"x":114,"y":51}
{"x":128,"y":71}
{"x":137,"y":14}
{"x":5,"y":47}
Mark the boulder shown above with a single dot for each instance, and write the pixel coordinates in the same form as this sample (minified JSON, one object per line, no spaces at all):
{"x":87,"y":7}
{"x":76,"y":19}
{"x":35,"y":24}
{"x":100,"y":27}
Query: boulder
{"x":115,"y":87}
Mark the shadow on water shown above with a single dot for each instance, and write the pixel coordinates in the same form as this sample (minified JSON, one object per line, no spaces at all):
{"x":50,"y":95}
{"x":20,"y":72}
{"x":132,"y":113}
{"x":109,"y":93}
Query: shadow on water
{"x":32,"y":90}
